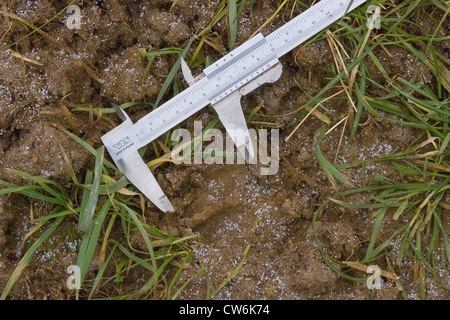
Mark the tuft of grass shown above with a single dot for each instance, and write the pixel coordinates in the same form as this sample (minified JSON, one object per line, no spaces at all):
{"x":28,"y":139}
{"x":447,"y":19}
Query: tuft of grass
{"x":423,"y":165}
{"x":49,"y":192}
{"x":104,"y":203}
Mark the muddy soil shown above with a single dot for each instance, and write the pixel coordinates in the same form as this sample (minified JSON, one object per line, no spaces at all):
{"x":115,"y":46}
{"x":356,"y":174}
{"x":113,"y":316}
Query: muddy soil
{"x":231,"y":206}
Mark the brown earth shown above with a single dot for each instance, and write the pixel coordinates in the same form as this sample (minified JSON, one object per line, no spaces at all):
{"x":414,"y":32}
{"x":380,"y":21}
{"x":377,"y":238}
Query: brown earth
{"x":231,"y":206}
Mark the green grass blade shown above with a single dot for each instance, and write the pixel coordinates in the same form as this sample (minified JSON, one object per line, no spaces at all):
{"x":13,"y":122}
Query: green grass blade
{"x":444,"y":235}
{"x":91,"y":150}
{"x":371,"y":254}
{"x":87,"y":214}
{"x":233,"y":23}
{"x":177,"y":274}
{"x":101,"y":271}
{"x":28,"y":191}
{"x":155,"y":53}
{"x":112,"y":187}
{"x":152,"y":282}
{"x":90,"y":240}
{"x":233,"y":273}
{"x":97,"y":111}
{"x":61,"y":195}
{"x":176,"y":294}
{"x":325,"y":164}
{"x":136,"y":259}
{"x":55,"y":215}
{"x":147,"y":241}
{"x":172,"y":74}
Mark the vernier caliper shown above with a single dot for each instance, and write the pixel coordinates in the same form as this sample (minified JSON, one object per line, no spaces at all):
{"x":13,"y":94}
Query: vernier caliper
{"x":222,"y":85}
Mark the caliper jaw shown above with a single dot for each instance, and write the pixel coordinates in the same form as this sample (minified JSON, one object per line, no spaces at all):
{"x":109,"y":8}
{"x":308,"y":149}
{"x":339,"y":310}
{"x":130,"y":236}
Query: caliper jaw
{"x":231,"y":114}
{"x":133,"y":166}
{"x":230,"y":111}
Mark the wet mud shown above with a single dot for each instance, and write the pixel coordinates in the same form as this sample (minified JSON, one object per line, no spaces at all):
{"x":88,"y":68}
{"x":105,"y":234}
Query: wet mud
{"x":231,"y":206}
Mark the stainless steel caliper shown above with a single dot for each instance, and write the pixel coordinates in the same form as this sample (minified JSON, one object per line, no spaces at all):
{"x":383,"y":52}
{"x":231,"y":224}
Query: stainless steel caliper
{"x":222,"y":85}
